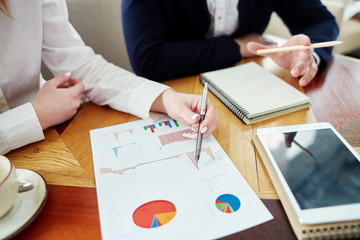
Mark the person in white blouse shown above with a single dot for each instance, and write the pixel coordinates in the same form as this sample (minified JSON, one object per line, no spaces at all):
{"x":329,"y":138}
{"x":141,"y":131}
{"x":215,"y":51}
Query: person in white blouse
{"x":31,"y":31}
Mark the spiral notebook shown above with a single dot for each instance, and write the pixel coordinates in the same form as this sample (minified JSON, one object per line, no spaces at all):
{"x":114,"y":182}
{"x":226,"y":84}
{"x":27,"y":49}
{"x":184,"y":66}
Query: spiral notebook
{"x":253,"y":93}
{"x":337,"y":230}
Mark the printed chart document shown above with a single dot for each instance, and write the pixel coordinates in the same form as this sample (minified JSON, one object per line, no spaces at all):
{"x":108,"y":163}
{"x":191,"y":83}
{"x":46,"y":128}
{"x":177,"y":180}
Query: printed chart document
{"x":149,"y":185}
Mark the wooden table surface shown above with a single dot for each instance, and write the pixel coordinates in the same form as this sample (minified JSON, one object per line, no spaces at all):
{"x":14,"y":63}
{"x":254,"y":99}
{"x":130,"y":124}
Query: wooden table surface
{"x":64,"y":158}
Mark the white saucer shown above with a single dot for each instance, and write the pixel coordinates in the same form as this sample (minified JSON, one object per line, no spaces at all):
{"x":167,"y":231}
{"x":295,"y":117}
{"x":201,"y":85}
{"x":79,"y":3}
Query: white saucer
{"x":25,"y":210}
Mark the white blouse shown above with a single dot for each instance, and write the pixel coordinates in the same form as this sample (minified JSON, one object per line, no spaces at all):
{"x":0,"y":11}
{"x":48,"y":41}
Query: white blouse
{"x":40,"y":30}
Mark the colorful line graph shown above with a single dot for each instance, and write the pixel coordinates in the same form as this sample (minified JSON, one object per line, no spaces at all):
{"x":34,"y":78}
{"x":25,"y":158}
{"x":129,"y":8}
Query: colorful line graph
{"x":174,"y":137}
{"x":227,"y":203}
{"x":190,"y":155}
{"x":168,"y":123}
{"x":154,"y":214}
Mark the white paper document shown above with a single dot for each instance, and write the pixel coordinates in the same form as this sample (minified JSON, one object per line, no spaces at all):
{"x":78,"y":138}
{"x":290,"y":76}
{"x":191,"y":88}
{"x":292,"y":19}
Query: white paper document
{"x":149,"y":185}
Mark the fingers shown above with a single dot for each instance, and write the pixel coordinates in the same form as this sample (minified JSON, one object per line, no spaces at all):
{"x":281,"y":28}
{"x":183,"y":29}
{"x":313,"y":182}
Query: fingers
{"x":60,"y":80}
{"x":186,"y":108}
{"x":305,"y":60}
{"x":76,"y":87}
{"x":73,"y":86}
{"x":306,"y":78}
{"x":300,"y":39}
{"x":253,"y":47}
{"x":190,"y":118}
{"x":208,"y":125}
{"x":306,"y":68}
{"x":210,"y":122}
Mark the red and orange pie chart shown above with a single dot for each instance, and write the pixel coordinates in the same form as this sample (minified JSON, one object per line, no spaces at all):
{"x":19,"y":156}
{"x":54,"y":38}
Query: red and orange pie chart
{"x":154,"y":214}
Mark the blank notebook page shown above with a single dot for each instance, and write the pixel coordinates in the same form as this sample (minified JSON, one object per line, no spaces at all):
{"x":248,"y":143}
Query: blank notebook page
{"x":255,"y":89}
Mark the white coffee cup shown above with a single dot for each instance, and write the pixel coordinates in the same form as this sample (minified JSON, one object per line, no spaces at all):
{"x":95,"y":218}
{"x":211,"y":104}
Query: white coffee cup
{"x":9,"y":186}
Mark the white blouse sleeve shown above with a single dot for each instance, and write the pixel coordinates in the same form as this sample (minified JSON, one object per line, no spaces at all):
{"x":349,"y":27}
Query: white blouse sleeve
{"x":18,"y":127}
{"x":105,"y":83}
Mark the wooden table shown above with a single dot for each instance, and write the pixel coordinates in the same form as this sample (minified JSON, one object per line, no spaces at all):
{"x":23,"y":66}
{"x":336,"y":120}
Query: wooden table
{"x":64,"y":158}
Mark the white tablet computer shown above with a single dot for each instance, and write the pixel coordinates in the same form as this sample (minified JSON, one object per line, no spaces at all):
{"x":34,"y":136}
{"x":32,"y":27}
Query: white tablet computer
{"x":317,"y":168}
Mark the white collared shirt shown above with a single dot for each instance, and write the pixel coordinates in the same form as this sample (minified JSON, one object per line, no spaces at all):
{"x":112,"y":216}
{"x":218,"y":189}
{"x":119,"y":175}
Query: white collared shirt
{"x":224,"y":17}
{"x":40,"y":30}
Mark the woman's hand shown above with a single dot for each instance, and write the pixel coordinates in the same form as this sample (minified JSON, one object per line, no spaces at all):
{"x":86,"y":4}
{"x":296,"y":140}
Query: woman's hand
{"x":186,"y":108}
{"x":57,"y":100}
{"x":301,"y":63}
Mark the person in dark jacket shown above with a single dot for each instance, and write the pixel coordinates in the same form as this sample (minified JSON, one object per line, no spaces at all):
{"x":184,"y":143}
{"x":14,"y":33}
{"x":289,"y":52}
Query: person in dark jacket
{"x":170,"y":39}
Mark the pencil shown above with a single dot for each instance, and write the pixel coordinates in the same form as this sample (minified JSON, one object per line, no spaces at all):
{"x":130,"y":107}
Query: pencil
{"x":298,"y":47}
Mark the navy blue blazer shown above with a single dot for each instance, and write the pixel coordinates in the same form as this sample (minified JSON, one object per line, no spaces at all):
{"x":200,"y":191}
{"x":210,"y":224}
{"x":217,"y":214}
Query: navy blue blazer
{"x":165,"y":39}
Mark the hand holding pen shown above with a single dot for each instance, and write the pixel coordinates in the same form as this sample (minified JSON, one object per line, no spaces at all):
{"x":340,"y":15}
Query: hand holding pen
{"x":185,"y":108}
{"x":202,"y":116}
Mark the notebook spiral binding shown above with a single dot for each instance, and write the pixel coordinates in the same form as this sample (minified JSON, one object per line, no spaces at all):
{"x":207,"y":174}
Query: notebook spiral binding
{"x":238,"y":110}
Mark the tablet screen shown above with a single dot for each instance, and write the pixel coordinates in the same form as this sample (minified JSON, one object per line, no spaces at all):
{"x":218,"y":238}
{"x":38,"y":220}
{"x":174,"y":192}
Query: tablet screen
{"x":319,"y":169}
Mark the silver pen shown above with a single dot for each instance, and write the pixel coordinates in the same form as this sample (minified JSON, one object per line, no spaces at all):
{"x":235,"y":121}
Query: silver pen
{"x":202,"y":116}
